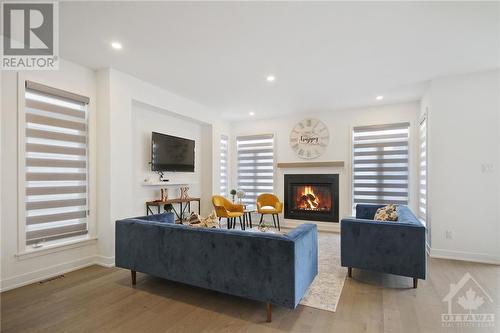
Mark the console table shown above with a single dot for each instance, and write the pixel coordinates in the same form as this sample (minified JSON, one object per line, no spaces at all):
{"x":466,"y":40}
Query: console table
{"x":182,"y":208}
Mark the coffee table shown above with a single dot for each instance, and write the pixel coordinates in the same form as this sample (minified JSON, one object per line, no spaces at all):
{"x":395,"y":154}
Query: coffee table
{"x":247,"y":214}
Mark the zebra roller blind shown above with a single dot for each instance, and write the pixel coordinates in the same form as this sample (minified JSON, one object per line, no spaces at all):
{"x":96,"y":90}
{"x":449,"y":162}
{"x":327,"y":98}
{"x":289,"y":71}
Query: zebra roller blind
{"x":56,"y":159}
{"x":380,"y":164}
{"x":422,"y":175}
{"x":224,"y":165}
{"x":255,"y":165}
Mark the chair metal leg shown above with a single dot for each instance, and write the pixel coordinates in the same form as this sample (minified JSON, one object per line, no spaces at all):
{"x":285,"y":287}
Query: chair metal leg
{"x":278,"y":219}
{"x":261,"y":217}
{"x":228,"y":220}
{"x":242,"y":225}
{"x":134,"y":277}
{"x":250,"y":219}
{"x":274,"y":220}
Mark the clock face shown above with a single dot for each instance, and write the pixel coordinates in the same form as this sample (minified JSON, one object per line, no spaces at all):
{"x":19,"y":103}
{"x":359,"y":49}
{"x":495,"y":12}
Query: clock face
{"x":309,"y":138}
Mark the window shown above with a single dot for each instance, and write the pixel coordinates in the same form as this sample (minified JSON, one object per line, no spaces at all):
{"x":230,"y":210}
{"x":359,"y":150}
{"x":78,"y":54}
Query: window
{"x":380,"y":164}
{"x":56,"y":164}
{"x":255,"y":165}
{"x":224,"y":178}
{"x":422,"y":172}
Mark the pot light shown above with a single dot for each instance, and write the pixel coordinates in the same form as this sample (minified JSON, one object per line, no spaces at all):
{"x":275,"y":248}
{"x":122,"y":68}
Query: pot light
{"x":117,"y":45}
{"x":251,"y":113}
{"x":379,"y":98}
{"x":270,"y":78}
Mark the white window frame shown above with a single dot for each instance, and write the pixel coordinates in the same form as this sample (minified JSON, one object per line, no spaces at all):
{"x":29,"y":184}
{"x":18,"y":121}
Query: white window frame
{"x":226,"y":159}
{"x":423,"y":219}
{"x":25,"y":251}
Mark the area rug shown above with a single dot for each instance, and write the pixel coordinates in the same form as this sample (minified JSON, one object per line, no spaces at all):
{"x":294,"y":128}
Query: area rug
{"x":324,"y":292}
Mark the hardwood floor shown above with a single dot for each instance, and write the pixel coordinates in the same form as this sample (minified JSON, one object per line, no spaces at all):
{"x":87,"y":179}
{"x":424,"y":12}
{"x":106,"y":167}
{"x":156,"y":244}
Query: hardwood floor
{"x":97,"y":299}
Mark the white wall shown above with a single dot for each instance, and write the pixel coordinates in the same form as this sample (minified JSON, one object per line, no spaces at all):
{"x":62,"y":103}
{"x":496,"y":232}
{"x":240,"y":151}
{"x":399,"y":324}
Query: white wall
{"x":21,"y":270}
{"x":119,"y":93}
{"x":464,"y":139}
{"x":146,"y":119}
{"x":340,"y":124}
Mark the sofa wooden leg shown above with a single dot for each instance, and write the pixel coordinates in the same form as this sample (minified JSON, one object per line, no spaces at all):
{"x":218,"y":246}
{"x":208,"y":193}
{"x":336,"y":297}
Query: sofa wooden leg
{"x":349,"y":272}
{"x":415,"y":283}
{"x":134,"y":277}
{"x":269,"y":312}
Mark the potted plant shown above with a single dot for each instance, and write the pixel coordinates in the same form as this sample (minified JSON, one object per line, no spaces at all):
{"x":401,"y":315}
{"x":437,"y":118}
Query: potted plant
{"x":233,"y":193}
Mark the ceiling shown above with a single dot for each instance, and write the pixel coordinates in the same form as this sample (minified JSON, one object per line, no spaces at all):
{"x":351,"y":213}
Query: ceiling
{"x":325,"y":55}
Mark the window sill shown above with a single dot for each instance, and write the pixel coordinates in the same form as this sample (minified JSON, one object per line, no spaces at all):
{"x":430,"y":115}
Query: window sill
{"x":52,"y":248}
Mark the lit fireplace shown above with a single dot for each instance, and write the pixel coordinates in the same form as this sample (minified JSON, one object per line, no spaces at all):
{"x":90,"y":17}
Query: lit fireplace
{"x":312,"y":197}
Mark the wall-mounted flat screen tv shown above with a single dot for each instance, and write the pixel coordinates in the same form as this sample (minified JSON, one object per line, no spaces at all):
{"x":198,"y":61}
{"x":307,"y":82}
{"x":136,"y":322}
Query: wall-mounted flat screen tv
{"x":171,"y":153}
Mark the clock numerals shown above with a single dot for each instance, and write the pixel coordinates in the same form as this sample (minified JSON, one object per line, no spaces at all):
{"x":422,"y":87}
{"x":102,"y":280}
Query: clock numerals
{"x":309,"y":138}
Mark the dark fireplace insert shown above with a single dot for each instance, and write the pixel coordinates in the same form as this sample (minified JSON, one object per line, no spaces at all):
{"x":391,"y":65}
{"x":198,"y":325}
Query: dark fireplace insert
{"x":312,"y":197}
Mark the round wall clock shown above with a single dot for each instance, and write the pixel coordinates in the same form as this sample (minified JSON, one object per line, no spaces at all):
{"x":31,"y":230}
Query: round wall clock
{"x":309,"y":138}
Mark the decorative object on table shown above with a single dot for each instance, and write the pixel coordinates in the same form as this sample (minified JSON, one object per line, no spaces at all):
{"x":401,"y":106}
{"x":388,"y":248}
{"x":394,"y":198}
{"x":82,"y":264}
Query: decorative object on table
{"x":164,"y":194}
{"x":168,"y":208}
{"x":309,"y":138}
{"x":184,"y":192}
{"x":240,"y":194}
{"x":386,"y":213}
{"x":233,"y":193}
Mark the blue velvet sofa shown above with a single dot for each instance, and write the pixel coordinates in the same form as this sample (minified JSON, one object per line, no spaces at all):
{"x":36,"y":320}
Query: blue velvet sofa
{"x":272,"y":268}
{"x":387,"y":247}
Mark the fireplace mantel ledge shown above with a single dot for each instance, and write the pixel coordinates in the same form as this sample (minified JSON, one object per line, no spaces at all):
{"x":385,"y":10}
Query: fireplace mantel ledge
{"x":326,"y":164}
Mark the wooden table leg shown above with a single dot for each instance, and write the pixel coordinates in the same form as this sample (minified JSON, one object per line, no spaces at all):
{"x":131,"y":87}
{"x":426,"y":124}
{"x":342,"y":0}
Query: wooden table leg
{"x":269,"y":312}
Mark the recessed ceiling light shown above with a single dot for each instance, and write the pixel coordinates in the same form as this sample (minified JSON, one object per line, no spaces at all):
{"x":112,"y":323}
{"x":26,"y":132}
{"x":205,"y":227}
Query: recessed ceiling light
{"x":270,"y":78}
{"x":117,"y":45}
{"x":379,"y":98}
{"x":251,"y":113}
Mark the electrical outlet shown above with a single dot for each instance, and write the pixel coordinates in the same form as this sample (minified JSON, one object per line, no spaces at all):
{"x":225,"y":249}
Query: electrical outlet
{"x":487,"y":168}
{"x":449,"y":234}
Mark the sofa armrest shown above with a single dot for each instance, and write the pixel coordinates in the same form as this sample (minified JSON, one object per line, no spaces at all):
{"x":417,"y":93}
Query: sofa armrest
{"x":305,"y":238}
{"x":389,"y":247}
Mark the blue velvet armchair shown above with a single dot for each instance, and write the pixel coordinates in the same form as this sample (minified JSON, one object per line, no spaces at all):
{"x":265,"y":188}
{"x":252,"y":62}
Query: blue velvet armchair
{"x":386,"y":247}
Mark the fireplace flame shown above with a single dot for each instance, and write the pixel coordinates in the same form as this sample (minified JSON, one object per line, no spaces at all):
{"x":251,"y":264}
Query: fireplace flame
{"x":309,"y":199}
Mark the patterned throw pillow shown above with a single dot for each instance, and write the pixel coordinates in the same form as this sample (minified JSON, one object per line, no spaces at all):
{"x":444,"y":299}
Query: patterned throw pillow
{"x":210,"y":221}
{"x":387,"y":213}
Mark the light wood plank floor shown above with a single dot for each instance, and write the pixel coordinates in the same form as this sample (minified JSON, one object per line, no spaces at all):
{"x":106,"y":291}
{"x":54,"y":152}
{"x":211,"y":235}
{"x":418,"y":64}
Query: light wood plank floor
{"x":97,"y":299}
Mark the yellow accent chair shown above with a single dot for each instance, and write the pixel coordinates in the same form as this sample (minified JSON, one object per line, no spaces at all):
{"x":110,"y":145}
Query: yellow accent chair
{"x":268,"y":203}
{"x":227,"y":209}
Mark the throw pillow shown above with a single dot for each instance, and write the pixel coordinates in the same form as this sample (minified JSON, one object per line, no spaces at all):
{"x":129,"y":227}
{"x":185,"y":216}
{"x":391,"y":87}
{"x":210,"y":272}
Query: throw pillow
{"x":387,"y":213}
{"x":210,"y":221}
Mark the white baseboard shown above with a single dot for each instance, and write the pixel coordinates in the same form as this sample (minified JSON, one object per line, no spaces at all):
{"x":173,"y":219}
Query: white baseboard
{"x":52,"y":271}
{"x":464,"y":256}
{"x":105,"y":261}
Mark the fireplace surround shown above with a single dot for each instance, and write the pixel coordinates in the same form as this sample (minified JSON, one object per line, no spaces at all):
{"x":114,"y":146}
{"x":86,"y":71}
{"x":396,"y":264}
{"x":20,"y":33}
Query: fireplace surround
{"x":312,"y":197}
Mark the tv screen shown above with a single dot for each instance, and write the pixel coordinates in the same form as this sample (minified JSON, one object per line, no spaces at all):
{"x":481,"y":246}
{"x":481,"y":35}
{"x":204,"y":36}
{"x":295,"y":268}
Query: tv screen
{"x":171,"y":153}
